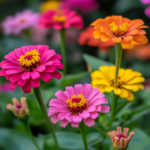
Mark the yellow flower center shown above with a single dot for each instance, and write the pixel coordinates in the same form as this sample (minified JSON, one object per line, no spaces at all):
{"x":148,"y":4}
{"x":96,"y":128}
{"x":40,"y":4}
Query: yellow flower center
{"x":30,"y":60}
{"x":119,"y":30}
{"x":59,"y":18}
{"x":77,"y":104}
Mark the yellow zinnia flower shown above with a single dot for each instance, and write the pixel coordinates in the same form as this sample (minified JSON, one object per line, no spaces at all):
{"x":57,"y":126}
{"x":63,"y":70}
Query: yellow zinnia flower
{"x":128,"y":80}
{"x":53,"y":5}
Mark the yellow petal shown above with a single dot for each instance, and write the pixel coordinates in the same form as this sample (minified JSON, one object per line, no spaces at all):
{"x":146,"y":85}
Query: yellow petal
{"x":124,"y":93}
{"x":131,"y":87}
{"x":100,"y":82}
{"x":130,"y":96}
{"x":136,"y":80}
{"x":108,"y":89}
{"x":97,"y":74}
{"x":117,"y":91}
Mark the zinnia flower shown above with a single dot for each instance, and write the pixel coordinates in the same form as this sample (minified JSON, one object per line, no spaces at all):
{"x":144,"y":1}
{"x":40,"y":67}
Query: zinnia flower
{"x":51,"y":4}
{"x":120,"y":141}
{"x":86,"y":37}
{"x":83,"y":5}
{"x":120,"y":30}
{"x":127,"y":80}
{"x":77,"y":104}
{"x":147,"y":10}
{"x":57,"y":20}
{"x":21,"y":21}
{"x":19,"y":110}
{"x":25,"y":66}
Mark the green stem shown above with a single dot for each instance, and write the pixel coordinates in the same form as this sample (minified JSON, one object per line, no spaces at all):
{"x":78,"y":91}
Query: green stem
{"x":83,"y":133}
{"x":38,"y":96}
{"x":115,"y":148}
{"x":25,"y":122}
{"x":118,"y":60}
{"x":113,"y":106}
{"x":63,"y":50}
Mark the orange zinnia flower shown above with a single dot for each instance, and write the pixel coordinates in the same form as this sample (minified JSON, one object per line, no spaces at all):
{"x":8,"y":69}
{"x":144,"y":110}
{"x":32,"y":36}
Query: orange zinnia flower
{"x":120,"y":30}
{"x":86,"y":37}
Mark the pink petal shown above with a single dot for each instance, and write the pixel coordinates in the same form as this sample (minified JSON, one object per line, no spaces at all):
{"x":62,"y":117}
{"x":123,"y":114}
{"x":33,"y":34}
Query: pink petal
{"x":78,"y":89}
{"x":89,"y":122}
{"x":50,"y":69}
{"x":64,"y":123}
{"x":56,"y":75}
{"x":47,"y":55}
{"x":92,"y":93}
{"x":94,"y":115}
{"x":62,"y":116}
{"x":13,"y":86}
{"x":105,"y":109}
{"x":13,"y":71}
{"x":45,"y":76}
{"x":74,"y":125}
{"x":8,"y":65}
{"x":85,"y":114}
{"x":15,"y":77}
{"x":56,"y":56}
{"x":40,"y":68}
{"x":21,"y":82}
{"x":35,"y":83}
{"x":98,"y":101}
{"x":35,"y":74}
{"x":49,"y":63}
{"x":61,"y":95}
{"x":11,"y":58}
{"x":26,"y":75}
{"x":69,"y":118}
{"x":54,"y":118}
{"x":56,"y":102}
{"x":27,"y":87}
{"x":70,"y":91}
{"x":77,"y":119}
{"x":86,"y":89}
{"x":19,"y":52}
{"x":91,"y":109}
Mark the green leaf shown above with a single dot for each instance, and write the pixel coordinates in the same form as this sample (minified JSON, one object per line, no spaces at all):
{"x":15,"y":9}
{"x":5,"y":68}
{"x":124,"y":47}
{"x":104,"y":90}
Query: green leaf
{"x":16,"y":140}
{"x":68,"y":140}
{"x":99,"y":127}
{"x":68,"y":79}
{"x":94,"y":62}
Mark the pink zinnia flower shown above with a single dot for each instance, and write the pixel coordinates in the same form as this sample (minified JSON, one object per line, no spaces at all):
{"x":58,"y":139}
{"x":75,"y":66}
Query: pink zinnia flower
{"x":5,"y":87}
{"x":145,"y":1}
{"x":77,"y":104}
{"x":25,"y":66}
{"x":119,"y":140}
{"x":57,"y":20}
{"x":83,"y":5}
{"x":21,"y":21}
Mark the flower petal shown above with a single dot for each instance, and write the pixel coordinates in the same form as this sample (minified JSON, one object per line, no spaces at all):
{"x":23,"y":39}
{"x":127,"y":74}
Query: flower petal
{"x":89,"y":122}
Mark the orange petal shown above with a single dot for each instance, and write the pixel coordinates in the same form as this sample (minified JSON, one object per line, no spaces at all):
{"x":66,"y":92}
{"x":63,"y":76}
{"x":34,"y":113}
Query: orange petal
{"x":116,"y":39}
{"x":118,"y":20}
{"x":132,"y":32}
{"x":128,"y":38}
{"x":105,"y":38}
{"x":126,"y":45}
{"x":97,"y":34}
{"x":97,"y":22}
{"x":143,"y":27}
{"x":135,"y":24}
{"x":140,"y":38}
{"x":141,"y":31}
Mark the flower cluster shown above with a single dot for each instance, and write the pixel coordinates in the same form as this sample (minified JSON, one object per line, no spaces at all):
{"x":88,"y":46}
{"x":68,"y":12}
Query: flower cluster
{"x":25,"y":66}
{"x":127,"y":80}
{"x":21,"y":21}
{"x":77,"y":104}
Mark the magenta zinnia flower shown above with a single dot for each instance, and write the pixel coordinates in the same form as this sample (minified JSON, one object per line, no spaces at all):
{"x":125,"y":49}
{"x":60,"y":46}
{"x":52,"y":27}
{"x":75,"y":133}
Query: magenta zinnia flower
{"x":83,"y":5}
{"x":25,"y":66}
{"x":57,"y":20}
{"x":77,"y":104}
{"x":21,"y":21}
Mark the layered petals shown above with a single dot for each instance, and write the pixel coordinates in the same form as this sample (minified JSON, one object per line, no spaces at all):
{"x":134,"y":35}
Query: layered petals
{"x":76,"y":105}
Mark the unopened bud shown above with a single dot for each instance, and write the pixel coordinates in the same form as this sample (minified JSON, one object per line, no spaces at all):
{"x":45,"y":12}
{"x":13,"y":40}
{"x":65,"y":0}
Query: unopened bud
{"x":120,"y":141}
{"x":20,"y":110}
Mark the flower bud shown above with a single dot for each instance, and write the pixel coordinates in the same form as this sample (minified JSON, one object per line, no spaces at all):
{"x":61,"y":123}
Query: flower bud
{"x":20,"y":110}
{"x":120,"y":141}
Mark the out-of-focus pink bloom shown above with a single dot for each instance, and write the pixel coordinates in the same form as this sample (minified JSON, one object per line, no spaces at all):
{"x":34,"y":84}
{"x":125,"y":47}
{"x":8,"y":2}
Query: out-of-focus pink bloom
{"x":83,"y":5}
{"x":147,"y":85}
{"x":21,"y":21}
{"x":147,"y":11}
{"x":77,"y":104}
{"x":19,"y":110}
{"x":119,"y":140}
{"x":25,"y":66}
{"x":57,"y":20}
{"x":5,"y":87}
{"x":145,"y":1}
